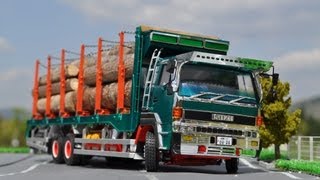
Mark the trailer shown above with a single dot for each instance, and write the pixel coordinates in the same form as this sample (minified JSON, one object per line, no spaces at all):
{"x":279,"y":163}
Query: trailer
{"x":189,"y":104}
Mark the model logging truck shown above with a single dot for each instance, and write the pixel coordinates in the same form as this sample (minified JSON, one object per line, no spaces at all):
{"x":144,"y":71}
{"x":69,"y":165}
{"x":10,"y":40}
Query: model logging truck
{"x":170,"y":97}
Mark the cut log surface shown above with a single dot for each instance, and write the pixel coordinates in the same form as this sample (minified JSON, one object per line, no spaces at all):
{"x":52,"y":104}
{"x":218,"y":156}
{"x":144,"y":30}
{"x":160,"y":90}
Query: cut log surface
{"x":70,"y":71}
{"x":71,"y":85}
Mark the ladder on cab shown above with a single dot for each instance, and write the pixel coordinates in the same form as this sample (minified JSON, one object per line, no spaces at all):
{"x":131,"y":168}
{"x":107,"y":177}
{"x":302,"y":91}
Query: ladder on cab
{"x":150,"y":79}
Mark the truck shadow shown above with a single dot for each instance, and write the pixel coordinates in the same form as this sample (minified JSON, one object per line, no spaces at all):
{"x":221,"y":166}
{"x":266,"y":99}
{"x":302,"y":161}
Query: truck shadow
{"x":121,"y":164}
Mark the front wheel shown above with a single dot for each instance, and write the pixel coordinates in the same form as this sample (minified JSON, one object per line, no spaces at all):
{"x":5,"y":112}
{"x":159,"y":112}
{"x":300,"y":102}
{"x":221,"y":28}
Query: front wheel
{"x":232,"y":165}
{"x":151,"y":153}
{"x":69,"y":157}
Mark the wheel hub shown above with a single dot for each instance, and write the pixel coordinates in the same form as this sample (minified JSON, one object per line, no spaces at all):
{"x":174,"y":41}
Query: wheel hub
{"x":67,"y":149}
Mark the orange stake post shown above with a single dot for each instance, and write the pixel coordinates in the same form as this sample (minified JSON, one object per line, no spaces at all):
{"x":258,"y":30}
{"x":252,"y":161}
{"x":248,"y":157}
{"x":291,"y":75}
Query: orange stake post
{"x":62,"y":85}
{"x":99,"y":74}
{"x":98,"y":78}
{"x":48,"y":90}
{"x":35,"y":114}
{"x":80,"y":111}
{"x":121,"y":75}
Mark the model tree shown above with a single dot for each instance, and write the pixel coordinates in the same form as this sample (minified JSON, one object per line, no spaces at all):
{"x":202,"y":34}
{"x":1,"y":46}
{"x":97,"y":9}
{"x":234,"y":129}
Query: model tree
{"x":279,"y":123}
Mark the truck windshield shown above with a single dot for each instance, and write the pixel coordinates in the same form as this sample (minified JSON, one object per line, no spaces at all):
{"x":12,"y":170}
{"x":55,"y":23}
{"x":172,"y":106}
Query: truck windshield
{"x":209,"y":82}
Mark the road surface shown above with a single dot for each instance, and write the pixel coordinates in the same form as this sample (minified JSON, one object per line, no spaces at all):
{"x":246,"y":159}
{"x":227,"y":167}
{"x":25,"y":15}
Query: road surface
{"x":34,"y":167}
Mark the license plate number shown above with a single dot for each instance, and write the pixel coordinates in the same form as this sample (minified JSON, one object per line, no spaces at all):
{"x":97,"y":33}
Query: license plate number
{"x":225,"y":141}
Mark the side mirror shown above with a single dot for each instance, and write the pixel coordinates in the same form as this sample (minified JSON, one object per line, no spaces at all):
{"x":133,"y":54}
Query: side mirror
{"x":275,"y":79}
{"x":170,"y":66}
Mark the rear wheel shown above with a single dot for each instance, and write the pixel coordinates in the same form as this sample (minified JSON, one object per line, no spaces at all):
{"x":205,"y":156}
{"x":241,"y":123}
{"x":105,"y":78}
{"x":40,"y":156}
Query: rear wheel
{"x":57,"y":149}
{"x":69,"y":157}
{"x":232,"y":165}
{"x":151,"y":153}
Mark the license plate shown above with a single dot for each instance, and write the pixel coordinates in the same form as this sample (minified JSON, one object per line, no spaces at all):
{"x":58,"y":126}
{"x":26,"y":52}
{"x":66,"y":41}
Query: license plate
{"x":224,"y":141}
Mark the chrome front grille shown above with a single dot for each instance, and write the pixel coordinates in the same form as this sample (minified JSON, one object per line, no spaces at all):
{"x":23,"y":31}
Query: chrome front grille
{"x":221,"y":150}
{"x":214,"y":130}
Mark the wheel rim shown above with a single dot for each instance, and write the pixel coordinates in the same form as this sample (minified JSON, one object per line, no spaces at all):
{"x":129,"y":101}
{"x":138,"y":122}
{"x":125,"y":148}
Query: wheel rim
{"x":55,"y":148}
{"x":67,"y":149}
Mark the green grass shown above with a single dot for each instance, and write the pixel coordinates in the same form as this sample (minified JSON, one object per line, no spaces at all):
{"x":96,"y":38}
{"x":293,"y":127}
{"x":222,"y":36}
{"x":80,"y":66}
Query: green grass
{"x":14,"y":150}
{"x":311,"y":167}
{"x":265,"y":155}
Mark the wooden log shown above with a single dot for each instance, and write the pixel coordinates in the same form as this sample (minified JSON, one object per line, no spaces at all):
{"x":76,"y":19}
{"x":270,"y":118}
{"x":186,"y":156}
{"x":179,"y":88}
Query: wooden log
{"x":70,"y":103}
{"x":110,"y":95}
{"x":41,"y":105}
{"x":89,"y":95}
{"x":106,"y":55}
{"x":70,"y":71}
{"x":109,"y":70}
{"x":128,"y":49}
{"x":109,"y":99}
{"x":71,"y":85}
{"x":88,"y":61}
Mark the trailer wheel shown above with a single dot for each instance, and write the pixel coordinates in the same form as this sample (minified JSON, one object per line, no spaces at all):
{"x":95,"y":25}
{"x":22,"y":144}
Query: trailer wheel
{"x":151,"y":153}
{"x":232,"y":165}
{"x":57,"y":149}
{"x":69,"y":157}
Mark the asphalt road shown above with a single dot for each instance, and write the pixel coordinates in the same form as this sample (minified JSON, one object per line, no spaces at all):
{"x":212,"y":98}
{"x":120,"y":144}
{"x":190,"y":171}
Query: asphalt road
{"x":33,"y":167}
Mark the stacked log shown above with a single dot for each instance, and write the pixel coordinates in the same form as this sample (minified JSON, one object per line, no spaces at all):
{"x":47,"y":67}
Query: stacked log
{"x":70,"y":103}
{"x":109,"y":83}
{"x":70,"y":70}
{"x":109,"y":70}
{"x":70,"y":85}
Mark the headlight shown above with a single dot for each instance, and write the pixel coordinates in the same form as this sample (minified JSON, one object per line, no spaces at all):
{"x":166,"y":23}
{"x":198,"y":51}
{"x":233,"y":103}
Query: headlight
{"x":254,"y":134}
{"x":183,"y":129}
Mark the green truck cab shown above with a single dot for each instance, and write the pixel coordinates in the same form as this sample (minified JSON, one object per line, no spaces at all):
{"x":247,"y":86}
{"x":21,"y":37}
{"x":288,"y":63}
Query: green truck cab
{"x":191,"y":104}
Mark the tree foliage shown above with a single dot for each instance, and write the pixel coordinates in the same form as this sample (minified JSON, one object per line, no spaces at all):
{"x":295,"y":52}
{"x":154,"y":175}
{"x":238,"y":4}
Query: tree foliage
{"x":13,"y":127}
{"x":279,"y":123}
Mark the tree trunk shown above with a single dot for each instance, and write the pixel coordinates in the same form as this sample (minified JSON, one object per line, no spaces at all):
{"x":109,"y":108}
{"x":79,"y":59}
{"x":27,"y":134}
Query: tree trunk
{"x":109,"y":70}
{"x":71,"y":85}
{"x":70,"y":71}
{"x":258,"y":152}
{"x":277,"y":154}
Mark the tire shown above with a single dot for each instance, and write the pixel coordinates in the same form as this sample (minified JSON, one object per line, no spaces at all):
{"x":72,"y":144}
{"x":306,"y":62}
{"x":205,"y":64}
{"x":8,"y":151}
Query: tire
{"x":232,"y":165}
{"x":70,"y":158}
{"x":151,"y":153}
{"x":57,"y":149}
